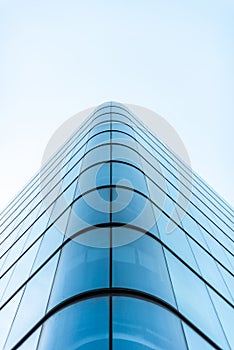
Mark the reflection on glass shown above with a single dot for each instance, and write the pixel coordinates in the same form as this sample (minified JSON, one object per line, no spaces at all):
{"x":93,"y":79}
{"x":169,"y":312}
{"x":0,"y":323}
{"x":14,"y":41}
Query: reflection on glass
{"x":90,"y":210}
{"x":226,"y":316}
{"x":194,"y":301}
{"x":31,"y":342}
{"x":194,"y":340}
{"x":126,"y":175}
{"x":83,"y":326}
{"x":33,"y":303}
{"x":20,"y":272}
{"x":95,"y":176}
{"x":7,"y":315}
{"x":176,"y":240}
{"x":141,"y":325}
{"x":129,"y":207}
{"x":141,"y":265}
{"x":82,"y":267}
{"x":209,"y":270}
{"x":98,"y":139}
{"x":99,"y":154}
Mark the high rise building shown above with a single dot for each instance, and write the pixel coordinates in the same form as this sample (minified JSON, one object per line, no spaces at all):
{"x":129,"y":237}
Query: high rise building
{"x":116,"y":244}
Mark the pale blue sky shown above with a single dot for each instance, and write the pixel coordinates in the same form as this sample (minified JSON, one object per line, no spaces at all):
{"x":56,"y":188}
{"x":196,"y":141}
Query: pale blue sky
{"x":60,"y":57}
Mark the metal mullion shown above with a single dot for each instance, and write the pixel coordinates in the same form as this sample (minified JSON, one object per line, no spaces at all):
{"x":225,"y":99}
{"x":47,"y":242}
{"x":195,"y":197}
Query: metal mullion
{"x":111,"y":243}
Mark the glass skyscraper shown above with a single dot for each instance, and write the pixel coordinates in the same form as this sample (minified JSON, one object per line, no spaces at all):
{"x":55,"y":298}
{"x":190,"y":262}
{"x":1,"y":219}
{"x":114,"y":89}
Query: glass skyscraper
{"x":116,"y":244}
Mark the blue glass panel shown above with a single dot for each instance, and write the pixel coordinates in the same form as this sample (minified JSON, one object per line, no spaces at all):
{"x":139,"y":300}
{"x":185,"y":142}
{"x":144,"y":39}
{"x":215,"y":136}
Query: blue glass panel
{"x":118,"y":115}
{"x":20,"y":272}
{"x":215,"y":216}
{"x":13,"y":251}
{"x":140,"y":264}
{"x":118,"y":136}
{"x":99,"y":154}
{"x":12,"y":221}
{"x":102,"y":115}
{"x":193,"y":228}
{"x":51,"y":196}
{"x":38,"y":227}
{"x":81,"y":267}
{"x":62,"y":202}
{"x":102,"y":138}
{"x":126,"y":175}
{"x":51,"y":240}
{"x":222,"y":237}
{"x":29,"y":219}
{"x":138,"y":324}
{"x":121,"y":152}
{"x":99,"y":125}
{"x":82,"y":326}
{"x":122,"y":127}
{"x":91,"y":209}
{"x":5,"y":232}
{"x":194,"y":300}
{"x":31,"y":342}
{"x":5,"y":252}
{"x":210,"y":271}
{"x":103,"y":126}
{"x":53,"y":177}
{"x":74,"y":168}
{"x":212,"y":201}
{"x":217,"y":224}
{"x":7,"y":315}
{"x":176,"y":240}
{"x":24,"y":197}
{"x":163,"y":204}
{"x":217,"y":250}
{"x":228,"y":278}
{"x":33,"y":303}
{"x":97,"y":175}
{"x":194,"y":340}
{"x":129,"y":207}
{"x":153,"y":170}
{"x":226,"y":316}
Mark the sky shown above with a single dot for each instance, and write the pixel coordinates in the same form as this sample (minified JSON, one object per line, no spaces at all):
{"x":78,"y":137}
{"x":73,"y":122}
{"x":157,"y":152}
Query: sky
{"x":60,"y":57}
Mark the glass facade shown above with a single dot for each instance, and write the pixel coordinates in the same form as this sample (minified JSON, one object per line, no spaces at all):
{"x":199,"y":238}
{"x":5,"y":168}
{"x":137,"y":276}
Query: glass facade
{"x":116,"y":244}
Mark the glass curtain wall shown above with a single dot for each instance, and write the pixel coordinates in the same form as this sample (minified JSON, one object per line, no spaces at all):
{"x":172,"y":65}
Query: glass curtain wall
{"x":116,"y":244}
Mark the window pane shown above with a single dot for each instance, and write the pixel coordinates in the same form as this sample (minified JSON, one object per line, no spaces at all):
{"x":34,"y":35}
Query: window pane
{"x":194,"y":301}
{"x":141,"y":325}
{"x":31,"y":342}
{"x":89,"y":210}
{"x":176,"y":240}
{"x":194,"y":340}
{"x":81,"y":267}
{"x":33,"y":303}
{"x":97,"y":175}
{"x":126,"y":175}
{"x":141,"y":265}
{"x":129,"y":207}
{"x":7,"y":316}
{"x":83,"y":326}
{"x":226,"y":316}
{"x":104,"y":137}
